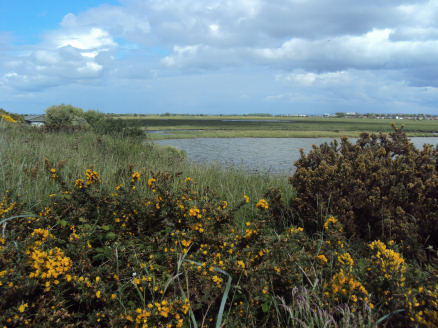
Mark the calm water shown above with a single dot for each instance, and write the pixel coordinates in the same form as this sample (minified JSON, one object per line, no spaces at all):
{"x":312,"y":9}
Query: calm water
{"x":273,"y":155}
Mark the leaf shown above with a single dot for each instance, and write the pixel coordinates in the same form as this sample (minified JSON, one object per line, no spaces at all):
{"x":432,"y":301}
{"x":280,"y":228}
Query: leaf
{"x":110,"y":235}
{"x":106,"y":227}
{"x":265,"y":307}
{"x":66,"y":196}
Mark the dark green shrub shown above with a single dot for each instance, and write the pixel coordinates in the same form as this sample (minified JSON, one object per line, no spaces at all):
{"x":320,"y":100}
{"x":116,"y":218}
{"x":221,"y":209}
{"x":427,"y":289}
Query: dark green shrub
{"x":116,"y":127}
{"x":63,"y":115}
{"x":379,"y":187}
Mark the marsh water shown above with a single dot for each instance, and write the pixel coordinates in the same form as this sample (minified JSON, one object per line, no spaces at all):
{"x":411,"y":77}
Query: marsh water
{"x":267,"y":155}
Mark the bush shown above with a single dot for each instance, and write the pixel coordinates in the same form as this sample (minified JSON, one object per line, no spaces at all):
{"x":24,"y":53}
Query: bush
{"x":116,"y":127}
{"x":63,"y":114}
{"x":382,"y":186}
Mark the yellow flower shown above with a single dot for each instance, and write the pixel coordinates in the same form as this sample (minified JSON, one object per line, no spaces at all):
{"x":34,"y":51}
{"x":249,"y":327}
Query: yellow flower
{"x":22,"y":307}
{"x":135,"y":176}
{"x":8,"y":118}
{"x":186,"y":243}
{"x":98,"y":294}
{"x":151,"y":181}
{"x":194,"y":212}
{"x":246,"y":199}
{"x":329,"y":220}
{"x":262,"y":203}
{"x":322,"y":258}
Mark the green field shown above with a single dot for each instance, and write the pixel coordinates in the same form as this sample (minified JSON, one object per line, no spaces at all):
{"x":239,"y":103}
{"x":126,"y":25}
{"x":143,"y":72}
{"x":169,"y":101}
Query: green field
{"x":279,"y":127}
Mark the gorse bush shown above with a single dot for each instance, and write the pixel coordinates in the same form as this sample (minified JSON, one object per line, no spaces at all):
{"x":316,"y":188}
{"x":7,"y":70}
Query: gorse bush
{"x":10,"y":117}
{"x":381,"y":186}
{"x":177,"y":257}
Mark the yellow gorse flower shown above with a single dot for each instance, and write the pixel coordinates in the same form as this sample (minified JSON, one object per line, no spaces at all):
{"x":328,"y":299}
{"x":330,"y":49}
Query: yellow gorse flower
{"x":329,"y":220}
{"x":135,"y":176}
{"x":262,"y":203}
{"x":79,"y":183}
{"x":22,"y":307}
{"x":389,"y":262}
{"x":92,"y":177}
{"x":241,"y":264}
{"x":8,"y":118}
{"x":5,"y":207}
{"x":322,"y":259}
{"x":151,"y":181}
{"x":49,"y":264}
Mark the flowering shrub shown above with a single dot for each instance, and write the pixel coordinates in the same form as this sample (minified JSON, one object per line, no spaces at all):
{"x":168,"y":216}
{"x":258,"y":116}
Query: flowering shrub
{"x":381,"y":186}
{"x":179,"y":256}
{"x":7,"y":118}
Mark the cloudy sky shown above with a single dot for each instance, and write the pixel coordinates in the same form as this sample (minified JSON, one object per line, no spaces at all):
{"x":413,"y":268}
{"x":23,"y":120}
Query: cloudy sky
{"x":220,"y":56}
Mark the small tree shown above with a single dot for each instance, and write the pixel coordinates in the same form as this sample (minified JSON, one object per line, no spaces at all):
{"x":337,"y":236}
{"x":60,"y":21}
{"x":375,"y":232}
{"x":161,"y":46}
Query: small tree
{"x":63,"y":115}
{"x":93,"y":117}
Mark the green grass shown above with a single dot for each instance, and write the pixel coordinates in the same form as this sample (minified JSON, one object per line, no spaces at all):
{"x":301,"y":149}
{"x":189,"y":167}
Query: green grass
{"x":279,"y":127}
{"x":23,"y":151}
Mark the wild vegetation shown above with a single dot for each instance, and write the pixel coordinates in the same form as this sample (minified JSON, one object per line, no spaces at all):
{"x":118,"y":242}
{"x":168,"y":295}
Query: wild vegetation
{"x":103,"y":230}
{"x":272,"y":127}
{"x":69,"y":118}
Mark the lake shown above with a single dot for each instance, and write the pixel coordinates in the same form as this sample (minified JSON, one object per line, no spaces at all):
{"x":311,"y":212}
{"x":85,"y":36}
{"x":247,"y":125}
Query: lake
{"x":270,"y":155}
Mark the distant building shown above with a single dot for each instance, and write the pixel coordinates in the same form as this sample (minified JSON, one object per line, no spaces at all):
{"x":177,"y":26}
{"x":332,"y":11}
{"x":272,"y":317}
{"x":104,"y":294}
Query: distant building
{"x":35,"y":120}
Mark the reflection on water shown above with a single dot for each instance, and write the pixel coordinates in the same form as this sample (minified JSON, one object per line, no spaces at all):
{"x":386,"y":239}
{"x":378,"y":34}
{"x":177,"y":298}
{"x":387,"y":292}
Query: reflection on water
{"x":273,"y":155}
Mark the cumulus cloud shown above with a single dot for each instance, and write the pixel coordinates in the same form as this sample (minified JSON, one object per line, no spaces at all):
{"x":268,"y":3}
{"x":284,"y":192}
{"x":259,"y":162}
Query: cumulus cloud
{"x":365,"y":91}
{"x":118,"y":21}
{"x":63,"y":57}
{"x":338,"y":48}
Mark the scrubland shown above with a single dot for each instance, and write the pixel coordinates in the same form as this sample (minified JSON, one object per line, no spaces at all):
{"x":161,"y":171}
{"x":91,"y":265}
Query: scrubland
{"x":101,"y":230}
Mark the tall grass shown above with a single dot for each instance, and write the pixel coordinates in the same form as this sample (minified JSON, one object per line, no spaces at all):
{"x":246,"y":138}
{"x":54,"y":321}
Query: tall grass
{"x":23,"y":151}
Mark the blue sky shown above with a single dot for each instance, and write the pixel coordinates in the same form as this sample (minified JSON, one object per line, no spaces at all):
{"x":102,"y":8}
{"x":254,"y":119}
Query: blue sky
{"x":220,"y":56}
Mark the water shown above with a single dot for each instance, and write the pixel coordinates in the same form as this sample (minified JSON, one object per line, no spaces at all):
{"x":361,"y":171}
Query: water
{"x":272,"y":155}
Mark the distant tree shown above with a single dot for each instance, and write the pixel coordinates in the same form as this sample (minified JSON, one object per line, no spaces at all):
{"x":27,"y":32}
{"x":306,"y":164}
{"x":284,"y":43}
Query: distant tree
{"x":63,"y":115}
{"x":93,"y":117}
{"x":340,"y":114}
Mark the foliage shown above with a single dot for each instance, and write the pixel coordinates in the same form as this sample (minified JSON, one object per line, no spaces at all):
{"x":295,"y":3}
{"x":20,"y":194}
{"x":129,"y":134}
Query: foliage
{"x":115,"y":127}
{"x":70,"y":119}
{"x":63,"y":115}
{"x":382,"y":186}
{"x":136,"y":247}
{"x":162,"y":257}
{"x":10,"y":117}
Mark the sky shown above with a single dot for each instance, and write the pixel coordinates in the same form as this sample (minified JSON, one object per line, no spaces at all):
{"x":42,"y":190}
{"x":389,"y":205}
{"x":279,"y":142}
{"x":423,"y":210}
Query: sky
{"x":220,"y":56}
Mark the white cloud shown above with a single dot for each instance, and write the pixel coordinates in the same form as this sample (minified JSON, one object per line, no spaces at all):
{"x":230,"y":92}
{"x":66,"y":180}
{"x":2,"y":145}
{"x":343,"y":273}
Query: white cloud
{"x":94,"y":38}
{"x":334,"y":52}
{"x":64,"y":57}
